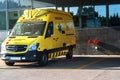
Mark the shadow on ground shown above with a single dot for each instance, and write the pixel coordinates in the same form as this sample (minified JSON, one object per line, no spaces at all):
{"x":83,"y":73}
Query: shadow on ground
{"x":75,"y":63}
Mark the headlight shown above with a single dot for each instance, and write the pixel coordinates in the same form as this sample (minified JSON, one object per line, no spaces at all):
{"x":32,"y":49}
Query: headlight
{"x":33,"y":47}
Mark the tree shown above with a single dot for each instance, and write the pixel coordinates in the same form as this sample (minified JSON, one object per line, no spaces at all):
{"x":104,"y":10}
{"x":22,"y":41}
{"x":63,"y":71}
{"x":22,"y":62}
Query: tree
{"x":114,"y":20}
{"x":102,"y":20}
{"x":89,"y":12}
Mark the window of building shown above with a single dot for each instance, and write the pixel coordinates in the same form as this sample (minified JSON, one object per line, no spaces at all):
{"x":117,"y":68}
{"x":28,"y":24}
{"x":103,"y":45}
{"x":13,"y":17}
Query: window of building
{"x":114,"y":9}
{"x":38,"y":4}
{"x":2,"y":20}
{"x":13,"y":16}
{"x":74,"y":10}
{"x":26,"y":3}
{"x":101,"y":10}
{"x":13,"y":4}
{"x":114,"y":15}
{"x":59,"y":8}
{"x":21,"y":12}
{"x":89,"y":17}
{"x":2,"y":4}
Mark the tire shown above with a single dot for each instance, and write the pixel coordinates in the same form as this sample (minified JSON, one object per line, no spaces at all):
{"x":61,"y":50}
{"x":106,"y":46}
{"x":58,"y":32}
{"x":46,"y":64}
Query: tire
{"x":8,"y":63}
{"x":69,"y":55}
{"x":43,"y":59}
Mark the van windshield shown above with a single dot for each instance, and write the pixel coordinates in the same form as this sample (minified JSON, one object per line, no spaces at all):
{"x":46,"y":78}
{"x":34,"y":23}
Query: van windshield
{"x":28,"y":29}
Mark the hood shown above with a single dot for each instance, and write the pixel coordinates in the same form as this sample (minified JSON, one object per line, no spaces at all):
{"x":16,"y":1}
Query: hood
{"x":20,"y":40}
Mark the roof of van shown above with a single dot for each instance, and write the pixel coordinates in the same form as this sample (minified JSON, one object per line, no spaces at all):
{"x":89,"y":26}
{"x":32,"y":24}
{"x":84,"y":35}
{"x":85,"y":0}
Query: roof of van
{"x":33,"y":13}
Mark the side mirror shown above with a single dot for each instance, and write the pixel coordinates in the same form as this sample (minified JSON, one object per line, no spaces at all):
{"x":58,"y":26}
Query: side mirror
{"x":63,"y":32}
{"x":8,"y":33}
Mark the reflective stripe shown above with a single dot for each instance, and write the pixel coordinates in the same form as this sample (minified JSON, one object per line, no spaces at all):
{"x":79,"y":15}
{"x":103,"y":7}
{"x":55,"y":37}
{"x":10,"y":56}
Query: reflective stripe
{"x":56,"y":54}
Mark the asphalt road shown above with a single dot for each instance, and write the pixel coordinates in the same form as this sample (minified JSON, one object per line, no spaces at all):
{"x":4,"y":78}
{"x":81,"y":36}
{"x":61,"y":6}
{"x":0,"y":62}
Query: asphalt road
{"x":82,"y":67}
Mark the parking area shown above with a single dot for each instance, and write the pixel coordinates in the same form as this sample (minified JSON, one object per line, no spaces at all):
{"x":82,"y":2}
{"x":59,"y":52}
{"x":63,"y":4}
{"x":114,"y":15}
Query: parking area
{"x":81,"y":67}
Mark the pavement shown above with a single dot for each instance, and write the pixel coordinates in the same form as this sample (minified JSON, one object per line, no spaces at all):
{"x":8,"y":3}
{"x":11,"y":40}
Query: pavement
{"x":81,"y":67}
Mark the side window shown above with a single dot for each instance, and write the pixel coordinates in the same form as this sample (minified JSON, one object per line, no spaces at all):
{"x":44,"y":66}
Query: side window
{"x":50,"y":29}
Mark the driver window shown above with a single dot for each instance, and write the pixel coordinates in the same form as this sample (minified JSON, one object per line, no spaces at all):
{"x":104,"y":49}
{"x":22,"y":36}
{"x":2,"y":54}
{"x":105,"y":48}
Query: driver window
{"x":50,"y":29}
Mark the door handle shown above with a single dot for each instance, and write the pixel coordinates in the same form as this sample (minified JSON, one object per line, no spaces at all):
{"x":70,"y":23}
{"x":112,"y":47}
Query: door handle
{"x":55,"y":39}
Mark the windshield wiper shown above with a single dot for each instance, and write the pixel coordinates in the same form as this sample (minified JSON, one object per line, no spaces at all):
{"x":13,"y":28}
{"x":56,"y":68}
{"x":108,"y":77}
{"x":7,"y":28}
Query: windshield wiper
{"x":32,"y":36}
{"x":12,"y":37}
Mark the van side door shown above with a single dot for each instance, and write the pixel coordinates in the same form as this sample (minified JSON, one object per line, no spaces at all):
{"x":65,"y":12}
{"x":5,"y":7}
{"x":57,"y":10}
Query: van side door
{"x":49,"y":32}
{"x":49,"y":41}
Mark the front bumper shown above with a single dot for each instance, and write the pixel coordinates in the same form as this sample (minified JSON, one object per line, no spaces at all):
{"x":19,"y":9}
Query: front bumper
{"x":30,"y":56}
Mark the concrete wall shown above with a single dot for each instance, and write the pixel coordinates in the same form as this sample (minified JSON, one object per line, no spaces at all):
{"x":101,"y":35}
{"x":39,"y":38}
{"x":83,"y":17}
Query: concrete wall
{"x":109,"y":41}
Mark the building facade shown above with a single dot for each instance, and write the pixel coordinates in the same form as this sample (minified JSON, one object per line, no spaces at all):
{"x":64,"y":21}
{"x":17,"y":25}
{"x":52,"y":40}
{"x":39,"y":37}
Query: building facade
{"x":10,"y":10}
{"x":90,"y":16}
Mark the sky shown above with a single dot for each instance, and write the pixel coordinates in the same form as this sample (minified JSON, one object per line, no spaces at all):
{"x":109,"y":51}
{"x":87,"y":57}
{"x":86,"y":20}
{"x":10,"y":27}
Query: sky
{"x":113,"y":9}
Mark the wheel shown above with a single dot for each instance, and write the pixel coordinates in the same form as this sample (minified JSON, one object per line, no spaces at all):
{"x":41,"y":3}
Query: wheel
{"x":8,"y":63}
{"x":69,"y":55}
{"x":43,"y":59}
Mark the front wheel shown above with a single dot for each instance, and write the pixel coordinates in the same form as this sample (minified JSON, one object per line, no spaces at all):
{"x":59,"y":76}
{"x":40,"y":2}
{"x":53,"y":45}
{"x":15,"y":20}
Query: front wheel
{"x":8,"y":63}
{"x":43,"y":59}
{"x":69,"y":55}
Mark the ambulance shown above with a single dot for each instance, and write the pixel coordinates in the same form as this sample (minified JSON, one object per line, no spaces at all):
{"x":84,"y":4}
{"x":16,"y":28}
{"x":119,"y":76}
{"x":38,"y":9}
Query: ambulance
{"x":38,"y":36}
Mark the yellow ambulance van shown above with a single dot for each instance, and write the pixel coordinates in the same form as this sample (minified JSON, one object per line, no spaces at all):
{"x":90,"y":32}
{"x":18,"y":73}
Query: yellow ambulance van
{"x":38,"y":36}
